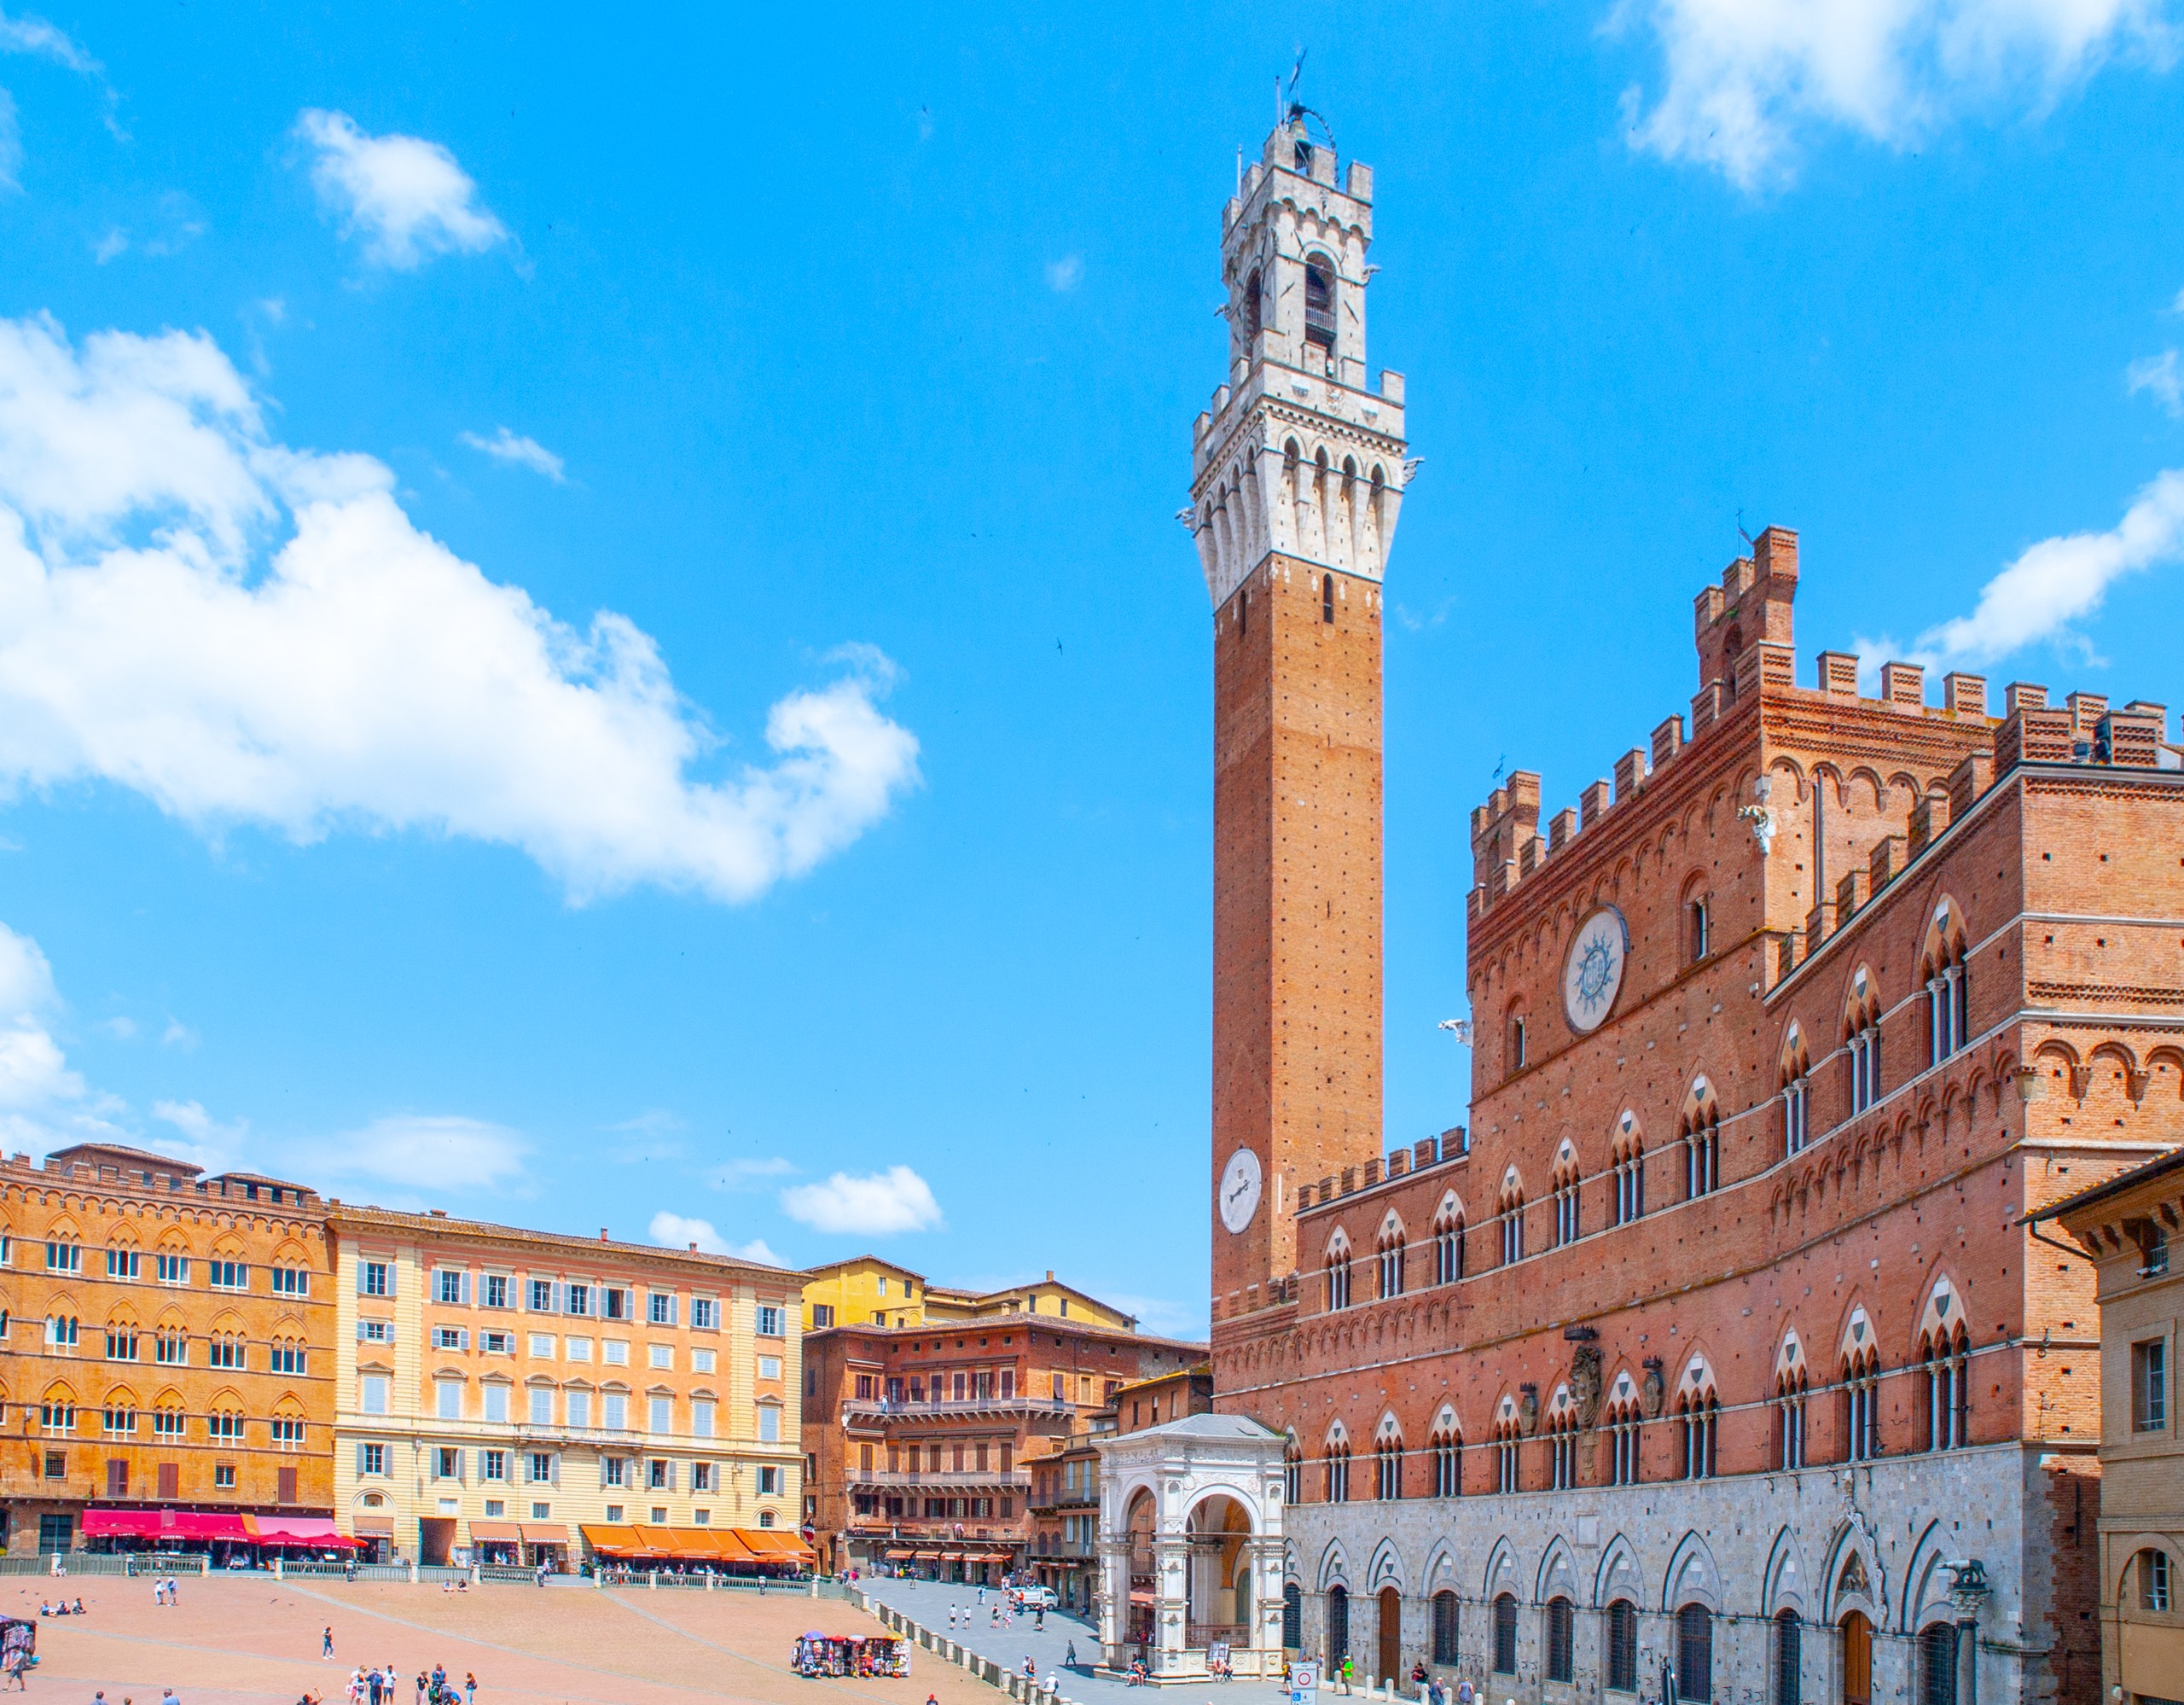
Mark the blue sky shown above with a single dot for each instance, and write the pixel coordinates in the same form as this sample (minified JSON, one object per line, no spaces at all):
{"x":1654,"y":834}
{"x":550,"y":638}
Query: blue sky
{"x":591,"y":625}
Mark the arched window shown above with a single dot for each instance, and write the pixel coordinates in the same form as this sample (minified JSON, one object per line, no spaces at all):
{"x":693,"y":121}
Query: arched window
{"x":1516,"y":1042}
{"x":1391,"y":1261}
{"x":1505,"y":1633}
{"x":1444,"y":1628}
{"x":1338,"y":1275}
{"x":1694,"y":1653}
{"x":1697,"y":1418}
{"x":1448,"y":1248}
{"x":1696,"y":927}
{"x":1254,"y":312}
{"x":1623,"y":1646}
{"x":1387,"y":1468}
{"x":2152,"y":1568}
{"x":1506,"y":1443}
{"x":1512,"y":1221}
{"x":1292,"y":1616}
{"x":1945,"y":1387}
{"x":1702,"y":1142}
{"x":1789,"y":1659}
{"x":1862,"y":1042}
{"x":1566,"y":1226}
{"x":1945,"y":969}
{"x":1560,"y":1659}
{"x":1623,"y":1443}
{"x":1293,"y":1472}
{"x":1448,"y":1448}
{"x":1627,"y":1201}
{"x":1338,"y":1470}
{"x":1562,"y":1440}
{"x":1327,"y":599}
{"x":1338,"y":1626}
{"x":1319,"y":302}
{"x":1243,"y":612}
{"x":1862,"y":1406}
{"x":1937,"y":1664}
{"x":1797,"y":1075}
{"x":1789,"y":1420}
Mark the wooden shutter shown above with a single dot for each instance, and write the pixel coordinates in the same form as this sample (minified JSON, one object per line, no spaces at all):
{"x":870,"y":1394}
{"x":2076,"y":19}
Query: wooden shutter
{"x":170,"y":1480}
{"x":286,"y":1491}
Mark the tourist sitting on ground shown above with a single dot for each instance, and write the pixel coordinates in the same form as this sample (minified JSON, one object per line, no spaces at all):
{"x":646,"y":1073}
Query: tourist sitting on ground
{"x":79,"y":1606}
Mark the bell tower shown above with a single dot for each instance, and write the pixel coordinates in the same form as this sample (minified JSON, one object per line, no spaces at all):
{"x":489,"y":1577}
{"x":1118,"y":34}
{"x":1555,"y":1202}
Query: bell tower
{"x":1298,"y":471}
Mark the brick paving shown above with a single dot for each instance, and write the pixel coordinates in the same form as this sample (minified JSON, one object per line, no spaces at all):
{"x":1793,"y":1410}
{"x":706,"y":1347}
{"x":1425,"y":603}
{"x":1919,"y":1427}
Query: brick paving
{"x":253,"y":1640}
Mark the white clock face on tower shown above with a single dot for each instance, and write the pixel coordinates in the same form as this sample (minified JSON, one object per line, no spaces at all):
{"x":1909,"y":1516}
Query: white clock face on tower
{"x":1238,"y":1190}
{"x":1593,"y":973}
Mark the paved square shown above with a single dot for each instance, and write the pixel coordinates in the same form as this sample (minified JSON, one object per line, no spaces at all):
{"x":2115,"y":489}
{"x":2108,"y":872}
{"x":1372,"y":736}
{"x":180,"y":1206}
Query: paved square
{"x":252,"y":1640}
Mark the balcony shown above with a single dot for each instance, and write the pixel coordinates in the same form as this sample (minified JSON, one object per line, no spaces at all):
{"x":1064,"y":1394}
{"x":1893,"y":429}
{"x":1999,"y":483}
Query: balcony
{"x":970,"y":1480}
{"x":870,"y":1409}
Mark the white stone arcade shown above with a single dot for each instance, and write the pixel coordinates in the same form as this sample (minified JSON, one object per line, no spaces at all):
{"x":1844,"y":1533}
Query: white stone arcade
{"x":1190,"y":1547}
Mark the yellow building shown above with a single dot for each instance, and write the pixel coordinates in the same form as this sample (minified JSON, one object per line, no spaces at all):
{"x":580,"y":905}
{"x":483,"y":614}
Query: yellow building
{"x":2127,"y":1225}
{"x":519,"y":1396}
{"x":866,"y":1291}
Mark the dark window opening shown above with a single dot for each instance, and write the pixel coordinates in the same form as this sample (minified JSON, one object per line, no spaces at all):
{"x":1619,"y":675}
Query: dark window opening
{"x":1326,"y":597}
{"x":1319,"y":304}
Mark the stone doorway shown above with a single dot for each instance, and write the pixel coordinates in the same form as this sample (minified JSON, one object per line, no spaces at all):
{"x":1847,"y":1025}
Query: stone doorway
{"x":1858,"y":1659}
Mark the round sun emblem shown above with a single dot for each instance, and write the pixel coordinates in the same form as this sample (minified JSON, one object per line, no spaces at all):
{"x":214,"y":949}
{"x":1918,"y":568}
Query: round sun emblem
{"x":1593,"y":974}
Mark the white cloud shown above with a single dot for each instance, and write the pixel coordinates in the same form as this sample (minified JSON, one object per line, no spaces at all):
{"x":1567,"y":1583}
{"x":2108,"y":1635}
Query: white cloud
{"x":1744,"y":78}
{"x":114,"y":244}
{"x":405,"y":196}
{"x":33,"y":36}
{"x":209,"y":1143}
{"x":673,"y":1230}
{"x":121,"y":1027}
{"x":423,"y":1151}
{"x":33,"y":1073}
{"x":518,"y":451}
{"x":2053,"y":584}
{"x":878,"y":1204}
{"x":1065,"y":274}
{"x":745,"y":1174}
{"x":247,"y":633}
{"x":177,"y":1035}
{"x":2159,"y":377}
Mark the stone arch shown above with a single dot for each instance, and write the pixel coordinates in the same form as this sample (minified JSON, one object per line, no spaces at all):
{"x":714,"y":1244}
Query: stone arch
{"x":1942,"y":1315}
{"x":1861,"y":999}
{"x":1386,"y":1568}
{"x":1619,"y":1574}
{"x":1241,"y":1497}
{"x":1692,"y":1577}
{"x":1785,"y":1583}
{"x":1500,"y":1575}
{"x":1334,"y":1567}
{"x":1852,"y":1577}
{"x":1440,"y":1566}
{"x":1558,"y":1573}
{"x":1926,"y":1582}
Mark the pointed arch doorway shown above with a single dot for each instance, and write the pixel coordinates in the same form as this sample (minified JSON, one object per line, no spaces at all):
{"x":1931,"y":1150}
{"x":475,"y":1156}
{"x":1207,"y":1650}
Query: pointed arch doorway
{"x":1858,"y":1659}
{"x":1391,"y":1635}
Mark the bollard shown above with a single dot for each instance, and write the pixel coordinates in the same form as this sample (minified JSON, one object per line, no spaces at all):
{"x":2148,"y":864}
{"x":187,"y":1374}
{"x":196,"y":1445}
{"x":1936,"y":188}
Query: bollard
{"x":413,"y":1571}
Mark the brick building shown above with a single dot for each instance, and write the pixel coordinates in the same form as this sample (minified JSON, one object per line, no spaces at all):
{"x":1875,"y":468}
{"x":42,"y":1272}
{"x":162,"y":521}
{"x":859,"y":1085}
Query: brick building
{"x":168,"y":1352}
{"x":525,"y":1397}
{"x":921,"y":1442}
{"x":1719,"y":1356}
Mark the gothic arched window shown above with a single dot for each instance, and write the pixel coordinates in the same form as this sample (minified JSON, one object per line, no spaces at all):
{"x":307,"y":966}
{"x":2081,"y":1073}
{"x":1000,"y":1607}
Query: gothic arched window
{"x":1319,"y":302}
{"x":1326,"y":598}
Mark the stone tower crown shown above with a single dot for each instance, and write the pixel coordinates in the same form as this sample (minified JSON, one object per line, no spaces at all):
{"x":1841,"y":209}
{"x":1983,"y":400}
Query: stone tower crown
{"x":1296,"y":454}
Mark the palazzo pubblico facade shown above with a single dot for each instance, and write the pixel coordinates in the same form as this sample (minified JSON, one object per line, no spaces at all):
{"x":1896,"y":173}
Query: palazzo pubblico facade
{"x":1717,"y":1357}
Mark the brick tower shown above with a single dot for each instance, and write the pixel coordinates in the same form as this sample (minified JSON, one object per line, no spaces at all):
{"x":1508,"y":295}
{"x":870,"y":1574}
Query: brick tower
{"x":1297,"y":473}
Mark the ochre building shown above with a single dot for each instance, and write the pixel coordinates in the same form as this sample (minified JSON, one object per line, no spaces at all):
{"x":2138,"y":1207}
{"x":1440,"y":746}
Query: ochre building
{"x":169,"y":1347}
{"x":521,"y":1397}
{"x":1718,"y":1359}
{"x":923,"y":1441}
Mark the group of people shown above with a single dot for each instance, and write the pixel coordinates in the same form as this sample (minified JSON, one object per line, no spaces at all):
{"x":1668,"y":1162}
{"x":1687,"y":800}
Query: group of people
{"x":383,"y":1687}
{"x":63,"y":1608}
{"x":166,"y":1590}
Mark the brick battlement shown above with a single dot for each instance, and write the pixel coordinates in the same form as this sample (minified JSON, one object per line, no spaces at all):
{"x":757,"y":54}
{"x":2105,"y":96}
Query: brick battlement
{"x":1744,"y":640}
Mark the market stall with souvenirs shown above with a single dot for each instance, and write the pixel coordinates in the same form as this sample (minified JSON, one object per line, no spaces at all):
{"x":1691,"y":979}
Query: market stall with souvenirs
{"x":818,"y":1654}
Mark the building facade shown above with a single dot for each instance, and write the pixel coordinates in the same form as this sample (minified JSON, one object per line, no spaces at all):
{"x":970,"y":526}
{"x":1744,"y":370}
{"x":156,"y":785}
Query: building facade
{"x":168,"y":1347}
{"x":921,"y":1443}
{"x":2126,"y":1227}
{"x":1717,"y":1358}
{"x":865,"y":1290}
{"x":500,"y":1390}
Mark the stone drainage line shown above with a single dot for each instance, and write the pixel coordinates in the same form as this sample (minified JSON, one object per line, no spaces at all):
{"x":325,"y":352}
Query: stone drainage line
{"x":1009,"y":1681}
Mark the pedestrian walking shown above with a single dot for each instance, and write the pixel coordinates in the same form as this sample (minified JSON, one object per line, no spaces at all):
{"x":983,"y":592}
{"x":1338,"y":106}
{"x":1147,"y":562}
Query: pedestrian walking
{"x":469,"y":1687}
{"x":326,"y":1642}
{"x":1069,"y":1658}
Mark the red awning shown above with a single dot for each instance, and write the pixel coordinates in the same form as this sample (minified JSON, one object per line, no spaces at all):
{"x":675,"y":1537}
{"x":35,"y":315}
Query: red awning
{"x":298,"y":1530}
{"x":168,"y":1524}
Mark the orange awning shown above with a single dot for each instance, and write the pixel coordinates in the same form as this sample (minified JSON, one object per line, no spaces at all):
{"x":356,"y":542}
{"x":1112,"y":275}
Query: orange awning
{"x":731,"y":1547}
{"x":612,"y":1539}
{"x":496,"y":1533}
{"x":545,"y":1533}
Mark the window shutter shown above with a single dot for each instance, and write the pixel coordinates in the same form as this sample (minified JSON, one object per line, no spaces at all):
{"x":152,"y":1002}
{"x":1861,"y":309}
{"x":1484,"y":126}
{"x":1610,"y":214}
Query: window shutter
{"x":603,"y":1473}
{"x":360,"y":1331}
{"x":466,"y":1288}
{"x":560,"y":1298}
{"x":466,"y":1331}
{"x":393,"y":1277}
{"x":360,"y":1278}
{"x":360,"y":1461}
